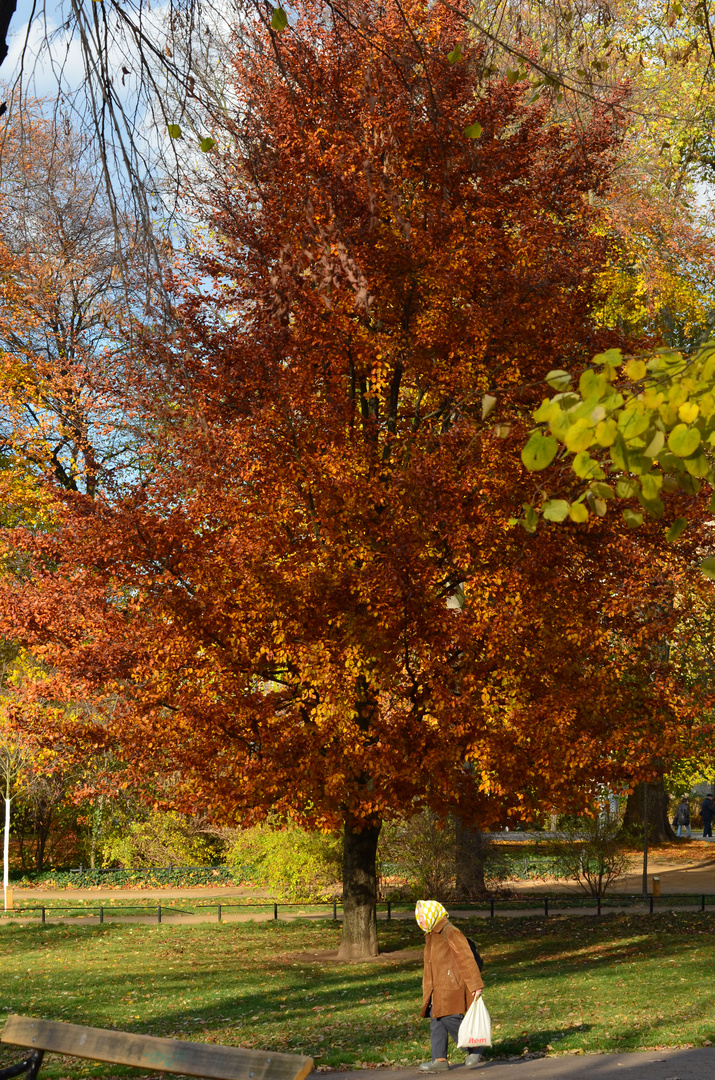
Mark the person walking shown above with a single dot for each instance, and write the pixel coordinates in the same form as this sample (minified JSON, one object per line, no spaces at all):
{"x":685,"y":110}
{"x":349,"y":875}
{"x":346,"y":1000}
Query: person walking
{"x":450,"y":982}
{"x":706,"y":813}
{"x":682,"y":815}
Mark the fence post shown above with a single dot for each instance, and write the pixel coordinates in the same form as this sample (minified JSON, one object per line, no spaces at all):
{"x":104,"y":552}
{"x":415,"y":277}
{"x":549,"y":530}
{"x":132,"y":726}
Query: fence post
{"x":158,"y":913}
{"x":702,"y":902}
{"x":335,"y":910}
{"x":546,"y":907}
{"x":651,"y":903}
{"x":101,"y":914}
{"x":43,"y":915}
{"x":598,"y":912}
{"x":275,"y":911}
{"x":219,"y":913}
{"x":389,"y":909}
{"x":491,"y":908}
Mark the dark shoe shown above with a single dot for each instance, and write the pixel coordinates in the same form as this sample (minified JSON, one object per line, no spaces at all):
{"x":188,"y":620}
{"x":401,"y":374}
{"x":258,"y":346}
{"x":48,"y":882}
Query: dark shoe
{"x":434,"y":1066}
{"x":472,"y":1060}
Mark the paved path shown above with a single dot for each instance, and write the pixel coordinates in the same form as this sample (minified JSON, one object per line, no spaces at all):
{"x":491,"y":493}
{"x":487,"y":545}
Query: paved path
{"x":202,"y":892}
{"x":695,"y":1064}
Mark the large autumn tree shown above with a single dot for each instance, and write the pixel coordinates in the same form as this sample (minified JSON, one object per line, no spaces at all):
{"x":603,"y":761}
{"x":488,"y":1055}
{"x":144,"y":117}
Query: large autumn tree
{"x":312,"y":600}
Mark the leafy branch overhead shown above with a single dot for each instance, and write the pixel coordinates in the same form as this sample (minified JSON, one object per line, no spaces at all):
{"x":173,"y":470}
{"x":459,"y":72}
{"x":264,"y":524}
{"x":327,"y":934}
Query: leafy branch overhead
{"x":632,"y":430}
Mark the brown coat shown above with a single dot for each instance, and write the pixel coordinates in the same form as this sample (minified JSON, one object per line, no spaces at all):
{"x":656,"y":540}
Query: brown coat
{"x":451,"y":976}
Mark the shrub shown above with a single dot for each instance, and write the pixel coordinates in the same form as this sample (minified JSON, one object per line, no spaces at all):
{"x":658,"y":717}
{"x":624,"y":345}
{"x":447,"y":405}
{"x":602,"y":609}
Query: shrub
{"x":591,"y":851}
{"x":160,"y":839}
{"x":293,"y":864}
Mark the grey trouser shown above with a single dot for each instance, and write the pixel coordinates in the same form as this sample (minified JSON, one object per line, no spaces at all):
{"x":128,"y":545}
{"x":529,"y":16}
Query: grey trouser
{"x":440,"y":1028}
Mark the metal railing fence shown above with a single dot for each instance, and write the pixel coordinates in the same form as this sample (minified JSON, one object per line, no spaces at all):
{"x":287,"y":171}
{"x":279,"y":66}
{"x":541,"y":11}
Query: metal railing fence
{"x":545,"y":906}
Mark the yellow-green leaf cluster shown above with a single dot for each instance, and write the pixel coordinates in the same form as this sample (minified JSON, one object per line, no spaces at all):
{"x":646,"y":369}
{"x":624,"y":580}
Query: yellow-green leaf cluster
{"x":646,"y":422}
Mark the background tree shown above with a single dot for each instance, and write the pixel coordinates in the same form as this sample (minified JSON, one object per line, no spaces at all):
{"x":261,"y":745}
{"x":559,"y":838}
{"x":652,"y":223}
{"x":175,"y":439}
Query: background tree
{"x":65,"y":294}
{"x":13,"y":759}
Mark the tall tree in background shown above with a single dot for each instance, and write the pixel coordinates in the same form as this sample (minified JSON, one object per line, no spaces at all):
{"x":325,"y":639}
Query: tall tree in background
{"x":63,"y":301}
{"x":314,"y":602}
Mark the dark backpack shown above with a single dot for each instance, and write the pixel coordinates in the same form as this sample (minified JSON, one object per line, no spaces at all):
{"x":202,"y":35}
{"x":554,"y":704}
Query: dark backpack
{"x":475,"y":953}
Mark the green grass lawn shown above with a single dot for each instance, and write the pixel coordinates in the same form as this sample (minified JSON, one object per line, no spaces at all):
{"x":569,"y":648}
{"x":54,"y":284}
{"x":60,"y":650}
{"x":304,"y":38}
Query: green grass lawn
{"x":566,"y":984}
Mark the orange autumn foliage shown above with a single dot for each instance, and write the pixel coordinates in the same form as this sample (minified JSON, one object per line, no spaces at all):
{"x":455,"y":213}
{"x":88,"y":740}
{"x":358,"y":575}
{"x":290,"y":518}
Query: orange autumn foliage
{"x":267,"y":593}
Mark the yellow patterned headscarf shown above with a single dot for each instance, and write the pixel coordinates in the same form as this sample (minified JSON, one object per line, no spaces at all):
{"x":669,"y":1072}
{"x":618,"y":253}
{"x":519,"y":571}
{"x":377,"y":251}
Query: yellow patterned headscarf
{"x":428,"y":913}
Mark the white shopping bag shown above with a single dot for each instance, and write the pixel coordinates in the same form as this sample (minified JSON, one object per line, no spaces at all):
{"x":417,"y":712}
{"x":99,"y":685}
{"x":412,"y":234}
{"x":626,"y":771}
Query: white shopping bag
{"x":475,"y":1031}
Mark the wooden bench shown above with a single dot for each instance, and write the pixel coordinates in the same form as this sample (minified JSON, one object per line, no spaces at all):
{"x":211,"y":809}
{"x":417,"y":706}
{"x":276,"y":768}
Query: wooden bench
{"x":146,"y":1052}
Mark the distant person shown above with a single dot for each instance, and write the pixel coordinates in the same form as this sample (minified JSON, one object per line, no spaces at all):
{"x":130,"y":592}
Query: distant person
{"x":450,"y":983}
{"x":682,"y":816}
{"x":706,"y":813}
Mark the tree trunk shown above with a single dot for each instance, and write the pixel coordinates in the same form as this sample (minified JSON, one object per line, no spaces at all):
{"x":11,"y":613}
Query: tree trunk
{"x":6,"y":852}
{"x":97,"y":821}
{"x":659,"y":827}
{"x":471,"y":851}
{"x":359,"y":937}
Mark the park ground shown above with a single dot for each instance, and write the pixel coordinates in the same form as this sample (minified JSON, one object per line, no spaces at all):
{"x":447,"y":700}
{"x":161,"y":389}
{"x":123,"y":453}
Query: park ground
{"x":563,"y":986}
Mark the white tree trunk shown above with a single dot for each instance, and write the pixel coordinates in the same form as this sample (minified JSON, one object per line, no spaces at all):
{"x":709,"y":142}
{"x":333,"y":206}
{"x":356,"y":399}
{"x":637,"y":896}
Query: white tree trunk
{"x":6,"y":853}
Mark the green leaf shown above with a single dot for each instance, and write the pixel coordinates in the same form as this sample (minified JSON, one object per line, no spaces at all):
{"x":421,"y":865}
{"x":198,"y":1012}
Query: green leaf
{"x":689,"y":483}
{"x":602,"y":491}
{"x":654,"y":507}
{"x":632,"y":422}
{"x":280,"y":19}
{"x":708,"y":568}
{"x":606,"y":431}
{"x":531,"y":518}
{"x":626,"y":488}
{"x":632,"y":519}
{"x":698,"y":466}
{"x":207,"y":143}
{"x":612,"y":357}
{"x":555,"y":510}
{"x":585,"y":467}
{"x":474,"y":130}
{"x":635,"y":370}
{"x":559,"y":380}
{"x":675,"y":529}
{"x":591,"y":383}
{"x":455,"y":55}
{"x":512,"y":76}
{"x":711,"y":505}
{"x":174,"y":131}
{"x":651,"y":483}
{"x":655,"y":445}
{"x":683,"y":440}
{"x":669,"y":462}
{"x":578,"y":513}
{"x":579,"y":436}
{"x":546,"y":410}
{"x":539,"y":452}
